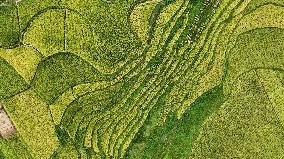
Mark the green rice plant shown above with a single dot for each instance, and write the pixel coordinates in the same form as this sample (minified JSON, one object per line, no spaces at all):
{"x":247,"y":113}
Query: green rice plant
{"x":142,"y":79}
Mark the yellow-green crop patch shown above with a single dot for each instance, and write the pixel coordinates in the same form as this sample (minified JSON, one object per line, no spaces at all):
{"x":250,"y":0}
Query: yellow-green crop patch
{"x":15,"y":147}
{"x":246,"y":126}
{"x":11,"y":82}
{"x":32,"y":119}
{"x":46,"y":32}
{"x":24,"y":60}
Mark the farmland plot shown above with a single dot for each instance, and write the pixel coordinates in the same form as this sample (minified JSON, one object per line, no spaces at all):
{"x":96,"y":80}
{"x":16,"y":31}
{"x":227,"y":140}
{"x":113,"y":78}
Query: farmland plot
{"x":142,"y":79}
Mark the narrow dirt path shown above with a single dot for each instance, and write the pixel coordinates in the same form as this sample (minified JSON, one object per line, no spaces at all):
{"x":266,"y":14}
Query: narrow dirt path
{"x":7,"y":127}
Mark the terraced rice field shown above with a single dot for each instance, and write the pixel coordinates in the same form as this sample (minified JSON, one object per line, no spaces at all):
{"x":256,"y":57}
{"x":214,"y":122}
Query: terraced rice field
{"x":157,"y":79}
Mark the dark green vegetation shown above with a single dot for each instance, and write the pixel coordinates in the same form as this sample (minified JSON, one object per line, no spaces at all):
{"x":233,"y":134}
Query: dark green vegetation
{"x":166,"y":141}
{"x":14,"y":147}
{"x":61,"y":71}
{"x":11,"y":82}
{"x":143,"y":79}
{"x":9,"y":35}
